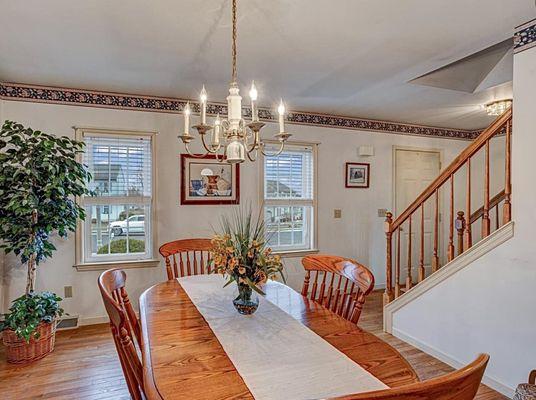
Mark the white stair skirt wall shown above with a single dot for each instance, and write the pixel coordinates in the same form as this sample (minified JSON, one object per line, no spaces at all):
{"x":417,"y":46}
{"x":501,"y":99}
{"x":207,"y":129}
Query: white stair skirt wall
{"x":426,"y":316}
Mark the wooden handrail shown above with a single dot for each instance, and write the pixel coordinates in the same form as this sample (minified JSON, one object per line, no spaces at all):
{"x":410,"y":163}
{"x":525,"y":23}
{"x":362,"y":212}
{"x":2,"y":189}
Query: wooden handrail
{"x":454,"y":166}
{"x":464,"y":219}
{"x":492,"y":203}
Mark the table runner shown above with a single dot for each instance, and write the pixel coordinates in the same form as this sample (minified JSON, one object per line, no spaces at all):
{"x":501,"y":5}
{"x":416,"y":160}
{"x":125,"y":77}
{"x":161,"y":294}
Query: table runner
{"x":277,"y":356}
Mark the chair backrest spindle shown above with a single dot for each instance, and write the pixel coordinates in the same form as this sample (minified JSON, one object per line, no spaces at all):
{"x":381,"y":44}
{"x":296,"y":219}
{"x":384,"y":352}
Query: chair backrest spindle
{"x":344,"y":291}
{"x":191,"y":254}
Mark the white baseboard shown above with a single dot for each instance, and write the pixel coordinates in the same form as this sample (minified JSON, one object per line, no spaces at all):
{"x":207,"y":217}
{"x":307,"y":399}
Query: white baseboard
{"x":434,"y":352}
{"x":487,"y":244}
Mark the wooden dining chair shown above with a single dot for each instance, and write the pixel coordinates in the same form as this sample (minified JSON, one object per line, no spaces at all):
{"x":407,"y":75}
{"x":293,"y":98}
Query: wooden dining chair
{"x":461,"y":384}
{"x":124,"y":326}
{"x":340,"y":284}
{"x":193,"y":257}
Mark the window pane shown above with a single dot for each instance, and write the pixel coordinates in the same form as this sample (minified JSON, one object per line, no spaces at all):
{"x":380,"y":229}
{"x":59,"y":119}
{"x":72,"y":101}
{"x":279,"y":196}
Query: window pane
{"x":118,"y":230}
{"x":119,"y":166}
{"x":288,"y":227}
{"x":289,"y":175}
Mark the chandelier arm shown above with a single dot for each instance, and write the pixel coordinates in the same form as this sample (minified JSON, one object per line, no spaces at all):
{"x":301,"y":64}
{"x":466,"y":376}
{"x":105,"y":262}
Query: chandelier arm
{"x":210,"y":149}
{"x":252,"y":159}
{"x":187,"y":147}
{"x":223,"y":155}
{"x":255,"y":145}
{"x":281,"y":147}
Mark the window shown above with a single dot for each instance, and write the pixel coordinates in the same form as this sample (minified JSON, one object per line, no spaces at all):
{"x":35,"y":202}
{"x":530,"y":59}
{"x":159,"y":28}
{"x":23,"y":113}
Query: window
{"x":288,"y":193}
{"x":118,"y":225}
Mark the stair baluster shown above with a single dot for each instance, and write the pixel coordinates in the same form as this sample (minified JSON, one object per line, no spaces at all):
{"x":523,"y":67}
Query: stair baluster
{"x":461,"y":221}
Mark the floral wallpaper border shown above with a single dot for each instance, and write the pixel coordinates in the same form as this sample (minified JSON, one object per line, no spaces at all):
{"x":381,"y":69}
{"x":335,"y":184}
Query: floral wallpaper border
{"x":525,"y":36}
{"x":78,"y":97}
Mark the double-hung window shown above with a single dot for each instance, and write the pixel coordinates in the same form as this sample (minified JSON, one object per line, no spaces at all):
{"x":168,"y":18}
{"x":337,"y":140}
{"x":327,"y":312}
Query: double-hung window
{"x":119,"y":217}
{"x":289,"y":197}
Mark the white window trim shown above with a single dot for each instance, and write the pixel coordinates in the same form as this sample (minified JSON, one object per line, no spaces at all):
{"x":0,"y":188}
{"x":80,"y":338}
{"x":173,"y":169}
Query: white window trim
{"x":82,"y":265}
{"x":314,"y":240}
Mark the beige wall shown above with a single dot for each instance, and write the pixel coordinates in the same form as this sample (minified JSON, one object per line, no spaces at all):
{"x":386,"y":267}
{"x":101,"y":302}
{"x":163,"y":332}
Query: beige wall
{"x":358,"y":234}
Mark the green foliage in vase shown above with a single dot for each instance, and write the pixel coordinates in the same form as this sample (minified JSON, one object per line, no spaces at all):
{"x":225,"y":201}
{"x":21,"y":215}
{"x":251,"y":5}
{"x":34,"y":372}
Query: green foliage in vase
{"x":240,"y":253}
{"x":28,"y":311}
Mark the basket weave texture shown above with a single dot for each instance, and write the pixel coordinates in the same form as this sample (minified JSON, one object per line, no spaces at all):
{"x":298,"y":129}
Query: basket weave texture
{"x":20,"y":352}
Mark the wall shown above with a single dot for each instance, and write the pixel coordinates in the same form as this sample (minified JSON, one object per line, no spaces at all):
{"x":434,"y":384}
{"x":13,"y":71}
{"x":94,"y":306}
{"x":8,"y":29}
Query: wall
{"x":358,"y":234}
{"x":489,"y":305}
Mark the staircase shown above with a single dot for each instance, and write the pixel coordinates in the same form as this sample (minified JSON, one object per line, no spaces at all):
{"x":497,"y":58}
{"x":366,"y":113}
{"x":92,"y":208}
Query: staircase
{"x":400,"y":264}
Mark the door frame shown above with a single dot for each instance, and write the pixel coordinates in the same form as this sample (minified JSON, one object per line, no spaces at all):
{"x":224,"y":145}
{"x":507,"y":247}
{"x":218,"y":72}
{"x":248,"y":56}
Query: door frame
{"x":412,"y":148}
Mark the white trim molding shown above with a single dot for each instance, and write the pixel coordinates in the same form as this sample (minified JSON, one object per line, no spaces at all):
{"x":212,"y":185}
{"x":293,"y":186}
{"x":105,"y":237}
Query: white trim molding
{"x":488,"y":380}
{"x":487,"y":244}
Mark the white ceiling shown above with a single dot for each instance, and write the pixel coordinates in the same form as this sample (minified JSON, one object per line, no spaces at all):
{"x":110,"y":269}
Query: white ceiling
{"x":346,"y":57}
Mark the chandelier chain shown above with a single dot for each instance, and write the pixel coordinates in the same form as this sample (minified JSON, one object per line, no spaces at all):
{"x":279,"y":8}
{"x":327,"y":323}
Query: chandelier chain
{"x":235,"y":34}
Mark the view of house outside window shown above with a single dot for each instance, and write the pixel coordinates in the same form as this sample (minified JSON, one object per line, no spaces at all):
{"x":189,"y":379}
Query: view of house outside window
{"x":288,"y":194}
{"x":118,"y":221}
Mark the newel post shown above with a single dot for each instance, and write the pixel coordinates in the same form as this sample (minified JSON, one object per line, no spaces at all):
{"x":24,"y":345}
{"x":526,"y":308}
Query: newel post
{"x":388,"y":295}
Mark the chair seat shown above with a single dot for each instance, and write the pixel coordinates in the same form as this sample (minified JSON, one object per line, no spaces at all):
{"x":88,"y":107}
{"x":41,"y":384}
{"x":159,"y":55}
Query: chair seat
{"x":525,"y":391}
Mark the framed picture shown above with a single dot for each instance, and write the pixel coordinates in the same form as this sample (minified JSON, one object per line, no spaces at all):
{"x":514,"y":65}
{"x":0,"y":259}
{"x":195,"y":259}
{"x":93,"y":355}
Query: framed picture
{"x":357,"y":175}
{"x":205,"y":180}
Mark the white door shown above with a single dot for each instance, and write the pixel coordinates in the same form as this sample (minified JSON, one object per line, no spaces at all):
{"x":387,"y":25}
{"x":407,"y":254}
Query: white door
{"x":414,"y":171}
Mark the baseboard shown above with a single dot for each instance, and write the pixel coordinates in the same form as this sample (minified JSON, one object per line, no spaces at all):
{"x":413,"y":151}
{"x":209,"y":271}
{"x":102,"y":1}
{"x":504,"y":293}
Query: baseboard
{"x":487,"y":244}
{"x":434,"y":352}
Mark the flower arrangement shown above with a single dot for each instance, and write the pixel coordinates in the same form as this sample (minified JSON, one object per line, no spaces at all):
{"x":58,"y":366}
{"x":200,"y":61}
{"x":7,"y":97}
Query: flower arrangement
{"x":240,"y":253}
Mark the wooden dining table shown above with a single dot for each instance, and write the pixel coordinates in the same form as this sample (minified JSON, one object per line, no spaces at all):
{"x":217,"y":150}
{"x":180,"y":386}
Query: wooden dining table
{"x":183,"y":359}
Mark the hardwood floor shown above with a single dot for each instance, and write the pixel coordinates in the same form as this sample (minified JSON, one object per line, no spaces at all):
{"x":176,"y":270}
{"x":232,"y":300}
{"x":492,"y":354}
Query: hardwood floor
{"x":84,"y":364}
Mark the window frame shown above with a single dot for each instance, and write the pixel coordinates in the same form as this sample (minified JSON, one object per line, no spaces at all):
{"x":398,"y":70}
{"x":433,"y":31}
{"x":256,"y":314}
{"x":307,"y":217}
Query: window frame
{"x":281,"y":202}
{"x":80,"y":236}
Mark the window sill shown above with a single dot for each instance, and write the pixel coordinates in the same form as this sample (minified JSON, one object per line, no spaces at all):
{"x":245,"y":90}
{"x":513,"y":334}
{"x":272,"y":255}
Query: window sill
{"x":296,"y":253}
{"x":102,"y":266}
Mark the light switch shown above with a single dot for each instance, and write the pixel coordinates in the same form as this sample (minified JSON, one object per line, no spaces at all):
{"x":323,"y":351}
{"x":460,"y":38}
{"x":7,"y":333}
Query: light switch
{"x":68,"y":291}
{"x":337,"y":213}
{"x":382,"y":212}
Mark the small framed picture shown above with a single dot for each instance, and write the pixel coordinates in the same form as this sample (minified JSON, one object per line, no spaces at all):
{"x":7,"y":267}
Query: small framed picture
{"x":205,"y":180}
{"x":357,"y":175}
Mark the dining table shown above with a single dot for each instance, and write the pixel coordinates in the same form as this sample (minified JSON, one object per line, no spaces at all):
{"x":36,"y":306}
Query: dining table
{"x":183,"y":358}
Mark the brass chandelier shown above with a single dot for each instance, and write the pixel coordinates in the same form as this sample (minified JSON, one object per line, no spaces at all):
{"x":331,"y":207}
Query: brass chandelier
{"x":233,"y":139}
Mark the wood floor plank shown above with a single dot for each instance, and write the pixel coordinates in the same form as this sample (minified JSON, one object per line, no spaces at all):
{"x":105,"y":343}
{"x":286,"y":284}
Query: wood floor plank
{"x":84,"y":365}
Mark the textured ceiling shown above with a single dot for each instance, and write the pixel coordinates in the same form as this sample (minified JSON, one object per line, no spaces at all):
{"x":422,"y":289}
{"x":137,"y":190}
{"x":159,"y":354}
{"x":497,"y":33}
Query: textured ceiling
{"x":345,"y":57}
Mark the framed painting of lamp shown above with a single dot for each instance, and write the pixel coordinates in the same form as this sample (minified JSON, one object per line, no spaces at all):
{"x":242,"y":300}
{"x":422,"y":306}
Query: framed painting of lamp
{"x":204,"y":180}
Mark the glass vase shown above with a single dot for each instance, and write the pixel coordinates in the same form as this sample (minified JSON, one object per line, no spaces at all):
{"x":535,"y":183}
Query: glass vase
{"x":246,"y":302}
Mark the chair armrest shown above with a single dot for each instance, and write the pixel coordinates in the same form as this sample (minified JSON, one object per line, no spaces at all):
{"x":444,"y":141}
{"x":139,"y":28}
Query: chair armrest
{"x":532,"y":377}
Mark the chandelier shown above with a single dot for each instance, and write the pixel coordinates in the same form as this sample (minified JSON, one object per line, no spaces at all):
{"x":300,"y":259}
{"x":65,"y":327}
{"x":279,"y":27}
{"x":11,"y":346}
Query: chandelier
{"x":498,"y":107}
{"x":233,"y":139}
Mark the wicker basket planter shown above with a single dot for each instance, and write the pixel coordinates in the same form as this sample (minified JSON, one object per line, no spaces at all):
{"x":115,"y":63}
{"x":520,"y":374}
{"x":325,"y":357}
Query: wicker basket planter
{"x":20,"y":352}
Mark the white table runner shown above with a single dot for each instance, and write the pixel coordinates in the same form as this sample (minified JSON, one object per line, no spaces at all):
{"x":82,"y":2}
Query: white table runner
{"x":277,"y":356}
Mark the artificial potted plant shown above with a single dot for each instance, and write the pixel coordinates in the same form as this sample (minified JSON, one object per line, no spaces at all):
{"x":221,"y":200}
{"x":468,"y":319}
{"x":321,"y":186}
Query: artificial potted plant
{"x":39,"y":180}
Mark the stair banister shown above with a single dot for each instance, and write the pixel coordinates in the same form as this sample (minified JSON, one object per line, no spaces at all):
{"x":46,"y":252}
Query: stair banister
{"x":502,"y":123}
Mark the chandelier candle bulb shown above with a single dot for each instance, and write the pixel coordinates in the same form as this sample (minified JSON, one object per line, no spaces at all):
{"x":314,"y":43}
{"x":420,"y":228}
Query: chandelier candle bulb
{"x":186,"y":112}
{"x":253,"y":95}
{"x":203,"y":97}
{"x":281,"y":111}
{"x":216,"y":131}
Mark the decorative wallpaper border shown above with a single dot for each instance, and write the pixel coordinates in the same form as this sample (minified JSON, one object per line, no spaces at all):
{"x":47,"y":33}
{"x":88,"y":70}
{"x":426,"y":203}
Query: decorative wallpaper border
{"x":525,"y":36}
{"x":78,"y":97}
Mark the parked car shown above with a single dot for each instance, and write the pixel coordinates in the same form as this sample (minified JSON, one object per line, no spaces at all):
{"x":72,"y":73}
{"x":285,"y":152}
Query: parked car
{"x":134,"y":224}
